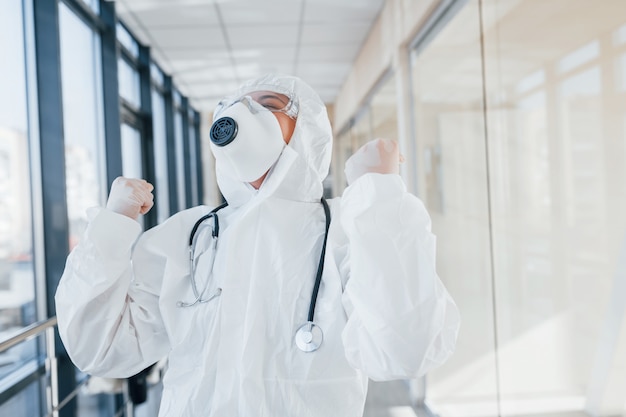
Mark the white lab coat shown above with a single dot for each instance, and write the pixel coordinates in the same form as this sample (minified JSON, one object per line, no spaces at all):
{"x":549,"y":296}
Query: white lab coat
{"x":384,"y":312}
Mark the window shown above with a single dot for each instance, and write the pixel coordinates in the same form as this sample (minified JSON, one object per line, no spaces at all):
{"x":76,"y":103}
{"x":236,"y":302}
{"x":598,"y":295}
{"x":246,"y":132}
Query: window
{"x":128,"y":83}
{"x":126,"y":39}
{"x":82,"y":119}
{"x":17,"y":281}
{"x":132,"y":155}
{"x":132,"y":159}
{"x":26,"y":402}
{"x":180,"y":160}
{"x":94,"y":5}
{"x":193,"y":164}
{"x":161,"y":188}
{"x":157,"y":75}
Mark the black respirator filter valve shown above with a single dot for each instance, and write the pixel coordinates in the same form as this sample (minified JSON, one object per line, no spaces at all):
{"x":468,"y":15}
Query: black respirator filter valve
{"x":223,"y":131}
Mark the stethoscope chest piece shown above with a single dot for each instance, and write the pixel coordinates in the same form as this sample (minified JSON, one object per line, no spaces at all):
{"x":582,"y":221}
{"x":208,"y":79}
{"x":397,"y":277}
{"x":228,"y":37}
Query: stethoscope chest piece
{"x":309,"y":337}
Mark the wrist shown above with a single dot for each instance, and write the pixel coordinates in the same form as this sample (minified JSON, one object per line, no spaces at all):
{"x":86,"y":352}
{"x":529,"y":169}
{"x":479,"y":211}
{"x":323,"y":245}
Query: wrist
{"x":130,"y":212}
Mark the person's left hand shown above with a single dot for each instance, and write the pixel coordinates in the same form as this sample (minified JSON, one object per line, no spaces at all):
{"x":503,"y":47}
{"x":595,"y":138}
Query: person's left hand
{"x":380,"y":156}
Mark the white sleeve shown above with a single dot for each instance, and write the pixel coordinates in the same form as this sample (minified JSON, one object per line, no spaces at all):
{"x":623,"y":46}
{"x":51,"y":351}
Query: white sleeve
{"x":401,"y":320}
{"x":108,"y":316}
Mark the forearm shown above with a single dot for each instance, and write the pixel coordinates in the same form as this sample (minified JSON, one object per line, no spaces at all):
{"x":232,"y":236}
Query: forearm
{"x":402,"y":321}
{"x":103,"y":327}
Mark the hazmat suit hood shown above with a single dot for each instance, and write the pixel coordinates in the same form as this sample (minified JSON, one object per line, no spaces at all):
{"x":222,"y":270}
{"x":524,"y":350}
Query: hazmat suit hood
{"x":304,"y":162}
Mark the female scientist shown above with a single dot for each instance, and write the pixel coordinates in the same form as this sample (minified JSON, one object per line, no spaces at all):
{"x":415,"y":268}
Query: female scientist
{"x":279,"y":303}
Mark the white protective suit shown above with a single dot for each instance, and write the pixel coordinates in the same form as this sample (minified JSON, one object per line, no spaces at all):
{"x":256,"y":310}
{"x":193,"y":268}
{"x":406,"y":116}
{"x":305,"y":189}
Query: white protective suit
{"x":384,"y":312}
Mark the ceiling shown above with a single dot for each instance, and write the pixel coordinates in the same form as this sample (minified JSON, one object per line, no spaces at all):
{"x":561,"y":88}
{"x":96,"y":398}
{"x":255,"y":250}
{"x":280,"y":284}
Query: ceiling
{"x":211,"y":46}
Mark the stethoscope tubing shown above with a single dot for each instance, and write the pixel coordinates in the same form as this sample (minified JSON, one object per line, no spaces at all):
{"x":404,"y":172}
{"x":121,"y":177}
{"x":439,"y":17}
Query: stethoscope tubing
{"x":309,"y":336}
{"x":320,"y":266}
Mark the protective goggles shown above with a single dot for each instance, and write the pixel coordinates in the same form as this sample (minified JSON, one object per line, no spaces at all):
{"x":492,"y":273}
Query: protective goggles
{"x":274,"y":102}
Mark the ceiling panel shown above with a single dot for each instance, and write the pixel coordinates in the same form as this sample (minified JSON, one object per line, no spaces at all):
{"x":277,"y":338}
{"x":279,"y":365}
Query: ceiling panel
{"x":193,"y":54}
{"x":276,"y":67}
{"x":194,"y":64}
{"x":320,"y":11}
{"x":244,"y":12}
{"x":329,"y":73}
{"x":314,"y":39}
{"x":342,"y":52}
{"x":325,"y":33}
{"x":207,"y":105}
{"x":262,"y":35}
{"x":212,"y":91}
{"x":182,"y":3}
{"x":169,"y":14}
{"x":252,"y":69}
{"x":180,"y":37}
{"x":266,"y":55}
{"x":210,"y":75}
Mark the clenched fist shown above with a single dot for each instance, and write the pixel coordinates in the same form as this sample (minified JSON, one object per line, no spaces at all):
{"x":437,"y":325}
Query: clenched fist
{"x":379,"y":155}
{"x":130,"y":197}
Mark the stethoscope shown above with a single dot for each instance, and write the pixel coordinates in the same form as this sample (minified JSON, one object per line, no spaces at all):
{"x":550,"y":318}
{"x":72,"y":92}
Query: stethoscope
{"x":193,"y":263}
{"x":309,"y":336}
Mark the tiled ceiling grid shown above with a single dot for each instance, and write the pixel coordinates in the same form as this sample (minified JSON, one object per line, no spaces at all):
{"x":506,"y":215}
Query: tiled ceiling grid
{"x":211,"y":46}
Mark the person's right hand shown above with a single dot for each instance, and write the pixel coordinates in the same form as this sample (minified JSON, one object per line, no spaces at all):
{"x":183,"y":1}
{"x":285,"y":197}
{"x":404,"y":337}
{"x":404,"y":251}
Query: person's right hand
{"x":130,"y":197}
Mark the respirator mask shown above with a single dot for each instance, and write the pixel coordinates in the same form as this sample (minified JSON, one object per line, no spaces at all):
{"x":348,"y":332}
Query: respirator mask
{"x":246,"y":138}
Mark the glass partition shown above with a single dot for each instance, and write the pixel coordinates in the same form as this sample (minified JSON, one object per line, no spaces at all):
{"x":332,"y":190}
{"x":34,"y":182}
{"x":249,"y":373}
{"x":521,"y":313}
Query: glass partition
{"x":520,"y":121}
{"x":384,"y":110}
{"x":556,"y":109}
{"x":377,"y":118}
{"x":362,"y":129}
{"x":452,"y":176}
{"x":342,"y":149}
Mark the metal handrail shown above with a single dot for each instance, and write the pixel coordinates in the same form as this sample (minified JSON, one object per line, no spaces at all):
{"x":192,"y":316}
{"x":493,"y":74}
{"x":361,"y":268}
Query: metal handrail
{"x":52,"y":395}
{"x":43,"y":327}
{"x":27,"y":333}
{"x":54,"y":410}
